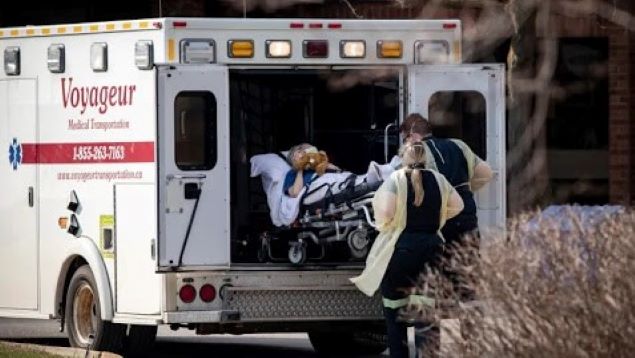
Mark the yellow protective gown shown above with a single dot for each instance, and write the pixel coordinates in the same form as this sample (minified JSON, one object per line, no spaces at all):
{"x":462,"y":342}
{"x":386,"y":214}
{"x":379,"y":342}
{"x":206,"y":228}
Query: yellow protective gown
{"x":390,"y":228}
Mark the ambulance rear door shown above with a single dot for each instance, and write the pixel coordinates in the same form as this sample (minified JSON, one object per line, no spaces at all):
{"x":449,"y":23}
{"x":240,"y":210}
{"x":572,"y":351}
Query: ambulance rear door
{"x":467,"y":102}
{"x":193,"y":153}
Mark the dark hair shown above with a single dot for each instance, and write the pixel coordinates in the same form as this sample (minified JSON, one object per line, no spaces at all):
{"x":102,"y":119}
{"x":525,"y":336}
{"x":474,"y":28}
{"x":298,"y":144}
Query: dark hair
{"x":415,"y":123}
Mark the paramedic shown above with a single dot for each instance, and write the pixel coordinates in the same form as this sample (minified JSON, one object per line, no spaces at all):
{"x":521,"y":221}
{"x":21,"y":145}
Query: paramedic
{"x":463,"y":169}
{"x":410,"y":208}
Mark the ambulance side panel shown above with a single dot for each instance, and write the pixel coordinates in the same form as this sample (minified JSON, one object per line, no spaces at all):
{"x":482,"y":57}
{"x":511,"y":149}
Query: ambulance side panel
{"x":95,"y":130}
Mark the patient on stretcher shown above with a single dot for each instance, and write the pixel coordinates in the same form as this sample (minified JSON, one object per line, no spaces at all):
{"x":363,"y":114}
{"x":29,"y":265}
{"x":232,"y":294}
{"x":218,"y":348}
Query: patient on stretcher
{"x":311,"y":169}
{"x":293,"y":181}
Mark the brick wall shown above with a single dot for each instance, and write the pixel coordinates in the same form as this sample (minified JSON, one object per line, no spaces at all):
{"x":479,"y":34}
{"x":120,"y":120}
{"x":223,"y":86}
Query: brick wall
{"x":620,"y":126}
{"x":621,"y":71}
{"x":631,"y":117}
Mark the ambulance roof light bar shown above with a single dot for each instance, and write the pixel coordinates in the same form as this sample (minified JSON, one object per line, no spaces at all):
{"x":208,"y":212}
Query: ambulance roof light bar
{"x":12,"y":60}
{"x":278,"y":48}
{"x":240,"y":48}
{"x":198,"y":51}
{"x":352,"y":48}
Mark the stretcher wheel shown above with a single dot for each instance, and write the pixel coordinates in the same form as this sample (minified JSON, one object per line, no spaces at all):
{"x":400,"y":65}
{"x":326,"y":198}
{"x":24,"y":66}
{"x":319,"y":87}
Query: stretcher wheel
{"x":358,"y":243}
{"x":297,"y":253}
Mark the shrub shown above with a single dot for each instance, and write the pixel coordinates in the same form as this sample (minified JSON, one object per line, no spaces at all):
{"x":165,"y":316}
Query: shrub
{"x":548,"y":287}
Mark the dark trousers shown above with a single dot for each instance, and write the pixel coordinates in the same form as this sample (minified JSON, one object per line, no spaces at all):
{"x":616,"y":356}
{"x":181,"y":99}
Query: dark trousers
{"x":427,"y":337}
{"x":413,"y":256}
{"x":455,"y":231}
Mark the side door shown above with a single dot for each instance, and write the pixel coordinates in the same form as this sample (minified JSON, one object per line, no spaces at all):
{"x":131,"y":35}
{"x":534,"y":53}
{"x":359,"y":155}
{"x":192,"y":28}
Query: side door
{"x":193,"y":153}
{"x":18,"y":206}
{"x":467,"y":102}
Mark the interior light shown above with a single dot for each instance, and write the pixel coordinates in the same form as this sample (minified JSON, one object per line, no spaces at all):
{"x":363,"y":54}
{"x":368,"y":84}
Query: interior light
{"x":55,"y":58}
{"x":279,"y":48}
{"x":389,"y":49}
{"x":352,"y":49}
{"x":144,"y":54}
{"x":198,"y":51}
{"x":241,"y":48}
{"x":12,"y":60}
{"x":315,"y":48}
{"x":99,"y":56}
{"x":435,"y":51}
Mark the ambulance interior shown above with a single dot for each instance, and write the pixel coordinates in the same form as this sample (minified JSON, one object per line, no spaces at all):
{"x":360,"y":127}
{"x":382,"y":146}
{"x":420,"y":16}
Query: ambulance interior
{"x":343,"y":112}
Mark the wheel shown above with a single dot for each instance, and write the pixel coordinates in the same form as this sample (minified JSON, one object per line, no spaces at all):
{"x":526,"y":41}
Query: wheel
{"x":140,"y":340}
{"x":82,"y":315}
{"x":358,"y":243}
{"x":297,"y":253}
{"x":348,"y":343}
{"x":263,"y":251}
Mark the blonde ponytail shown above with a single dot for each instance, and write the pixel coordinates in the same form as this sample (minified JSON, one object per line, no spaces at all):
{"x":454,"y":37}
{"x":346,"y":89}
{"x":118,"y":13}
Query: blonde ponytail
{"x":413,"y":156}
{"x":415,"y":179}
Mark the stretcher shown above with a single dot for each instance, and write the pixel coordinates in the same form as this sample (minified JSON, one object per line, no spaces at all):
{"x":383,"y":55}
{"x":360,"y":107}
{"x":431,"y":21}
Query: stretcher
{"x":330,"y":213}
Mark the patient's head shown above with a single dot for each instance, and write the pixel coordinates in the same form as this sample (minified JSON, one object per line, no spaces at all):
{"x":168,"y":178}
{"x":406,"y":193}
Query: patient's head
{"x":297,"y":151}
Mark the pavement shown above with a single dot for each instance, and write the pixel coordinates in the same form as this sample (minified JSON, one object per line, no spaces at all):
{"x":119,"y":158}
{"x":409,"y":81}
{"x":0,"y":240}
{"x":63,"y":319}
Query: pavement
{"x":170,"y":344}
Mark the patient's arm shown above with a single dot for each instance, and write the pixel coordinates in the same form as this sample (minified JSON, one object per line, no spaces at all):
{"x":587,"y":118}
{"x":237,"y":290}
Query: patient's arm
{"x":297,"y":186}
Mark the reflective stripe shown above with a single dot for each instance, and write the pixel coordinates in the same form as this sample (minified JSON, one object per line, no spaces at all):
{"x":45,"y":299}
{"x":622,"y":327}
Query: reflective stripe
{"x":419,"y":300}
{"x":422,"y":300}
{"x":394,"y":304}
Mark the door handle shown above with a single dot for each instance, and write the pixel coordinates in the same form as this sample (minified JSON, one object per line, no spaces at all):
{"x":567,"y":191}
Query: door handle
{"x":31,"y":196}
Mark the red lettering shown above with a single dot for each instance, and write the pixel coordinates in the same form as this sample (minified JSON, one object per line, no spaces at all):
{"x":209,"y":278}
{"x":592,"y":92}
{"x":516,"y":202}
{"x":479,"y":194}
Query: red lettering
{"x":93,"y":97}
{"x":123,"y":98}
{"x":132,"y":89}
{"x":100,"y":98}
{"x":103,"y":99}
{"x":113,"y":94}
{"x":66,"y":93}
{"x":75,"y":98}
{"x":84,"y":92}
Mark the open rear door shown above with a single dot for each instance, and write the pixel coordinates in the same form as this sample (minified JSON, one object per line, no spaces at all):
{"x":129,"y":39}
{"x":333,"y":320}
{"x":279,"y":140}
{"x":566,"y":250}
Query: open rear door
{"x":467,"y":102}
{"x":193,"y":154}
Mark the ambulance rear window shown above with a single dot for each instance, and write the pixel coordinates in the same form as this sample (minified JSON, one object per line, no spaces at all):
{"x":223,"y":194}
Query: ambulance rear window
{"x":195,"y":130}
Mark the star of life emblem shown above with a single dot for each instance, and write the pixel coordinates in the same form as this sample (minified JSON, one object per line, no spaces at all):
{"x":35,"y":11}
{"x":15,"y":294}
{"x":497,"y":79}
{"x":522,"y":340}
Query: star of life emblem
{"x":15,"y":154}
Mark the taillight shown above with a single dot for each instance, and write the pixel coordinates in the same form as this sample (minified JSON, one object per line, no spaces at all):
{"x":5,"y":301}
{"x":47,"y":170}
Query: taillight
{"x":315,"y":48}
{"x":207,"y":293}
{"x":187,"y":293}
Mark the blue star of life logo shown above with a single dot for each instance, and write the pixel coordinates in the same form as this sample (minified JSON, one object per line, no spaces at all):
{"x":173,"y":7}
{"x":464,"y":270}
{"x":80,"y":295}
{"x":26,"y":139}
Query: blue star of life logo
{"x":15,"y":154}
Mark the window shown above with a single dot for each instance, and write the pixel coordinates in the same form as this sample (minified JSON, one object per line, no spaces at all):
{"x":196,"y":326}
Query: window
{"x":195,"y":130}
{"x":460,"y":115}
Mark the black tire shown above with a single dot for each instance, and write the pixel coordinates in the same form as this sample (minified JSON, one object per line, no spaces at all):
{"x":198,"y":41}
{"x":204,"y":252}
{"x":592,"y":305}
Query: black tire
{"x":140,"y":340}
{"x":82,"y":315}
{"x":348,"y":343}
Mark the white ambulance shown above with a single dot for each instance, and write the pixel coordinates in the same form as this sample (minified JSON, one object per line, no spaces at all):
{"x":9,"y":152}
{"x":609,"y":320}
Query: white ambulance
{"x":127,"y":195}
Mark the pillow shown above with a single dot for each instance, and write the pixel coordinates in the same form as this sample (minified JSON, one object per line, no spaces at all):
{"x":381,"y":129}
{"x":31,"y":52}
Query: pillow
{"x":269,"y":165}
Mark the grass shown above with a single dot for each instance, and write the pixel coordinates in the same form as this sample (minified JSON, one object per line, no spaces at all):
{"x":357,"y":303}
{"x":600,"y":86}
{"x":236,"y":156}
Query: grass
{"x":15,"y":352}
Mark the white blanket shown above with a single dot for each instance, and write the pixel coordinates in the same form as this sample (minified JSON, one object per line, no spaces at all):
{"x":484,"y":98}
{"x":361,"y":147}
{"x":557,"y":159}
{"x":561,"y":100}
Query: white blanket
{"x":272,"y":169}
{"x":284,"y":209}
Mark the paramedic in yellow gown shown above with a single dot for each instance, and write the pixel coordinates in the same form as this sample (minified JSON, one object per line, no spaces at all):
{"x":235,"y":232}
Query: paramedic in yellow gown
{"x":410,"y":209}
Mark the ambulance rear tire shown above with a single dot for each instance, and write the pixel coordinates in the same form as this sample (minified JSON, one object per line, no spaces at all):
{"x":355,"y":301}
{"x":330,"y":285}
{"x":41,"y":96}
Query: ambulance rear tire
{"x":82,"y":315}
{"x":348,"y":343}
{"x":140,"y":340}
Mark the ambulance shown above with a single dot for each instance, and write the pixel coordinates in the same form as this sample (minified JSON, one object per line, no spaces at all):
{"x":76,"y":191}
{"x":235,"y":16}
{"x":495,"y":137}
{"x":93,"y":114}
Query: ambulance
{"x":127,"y":201}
